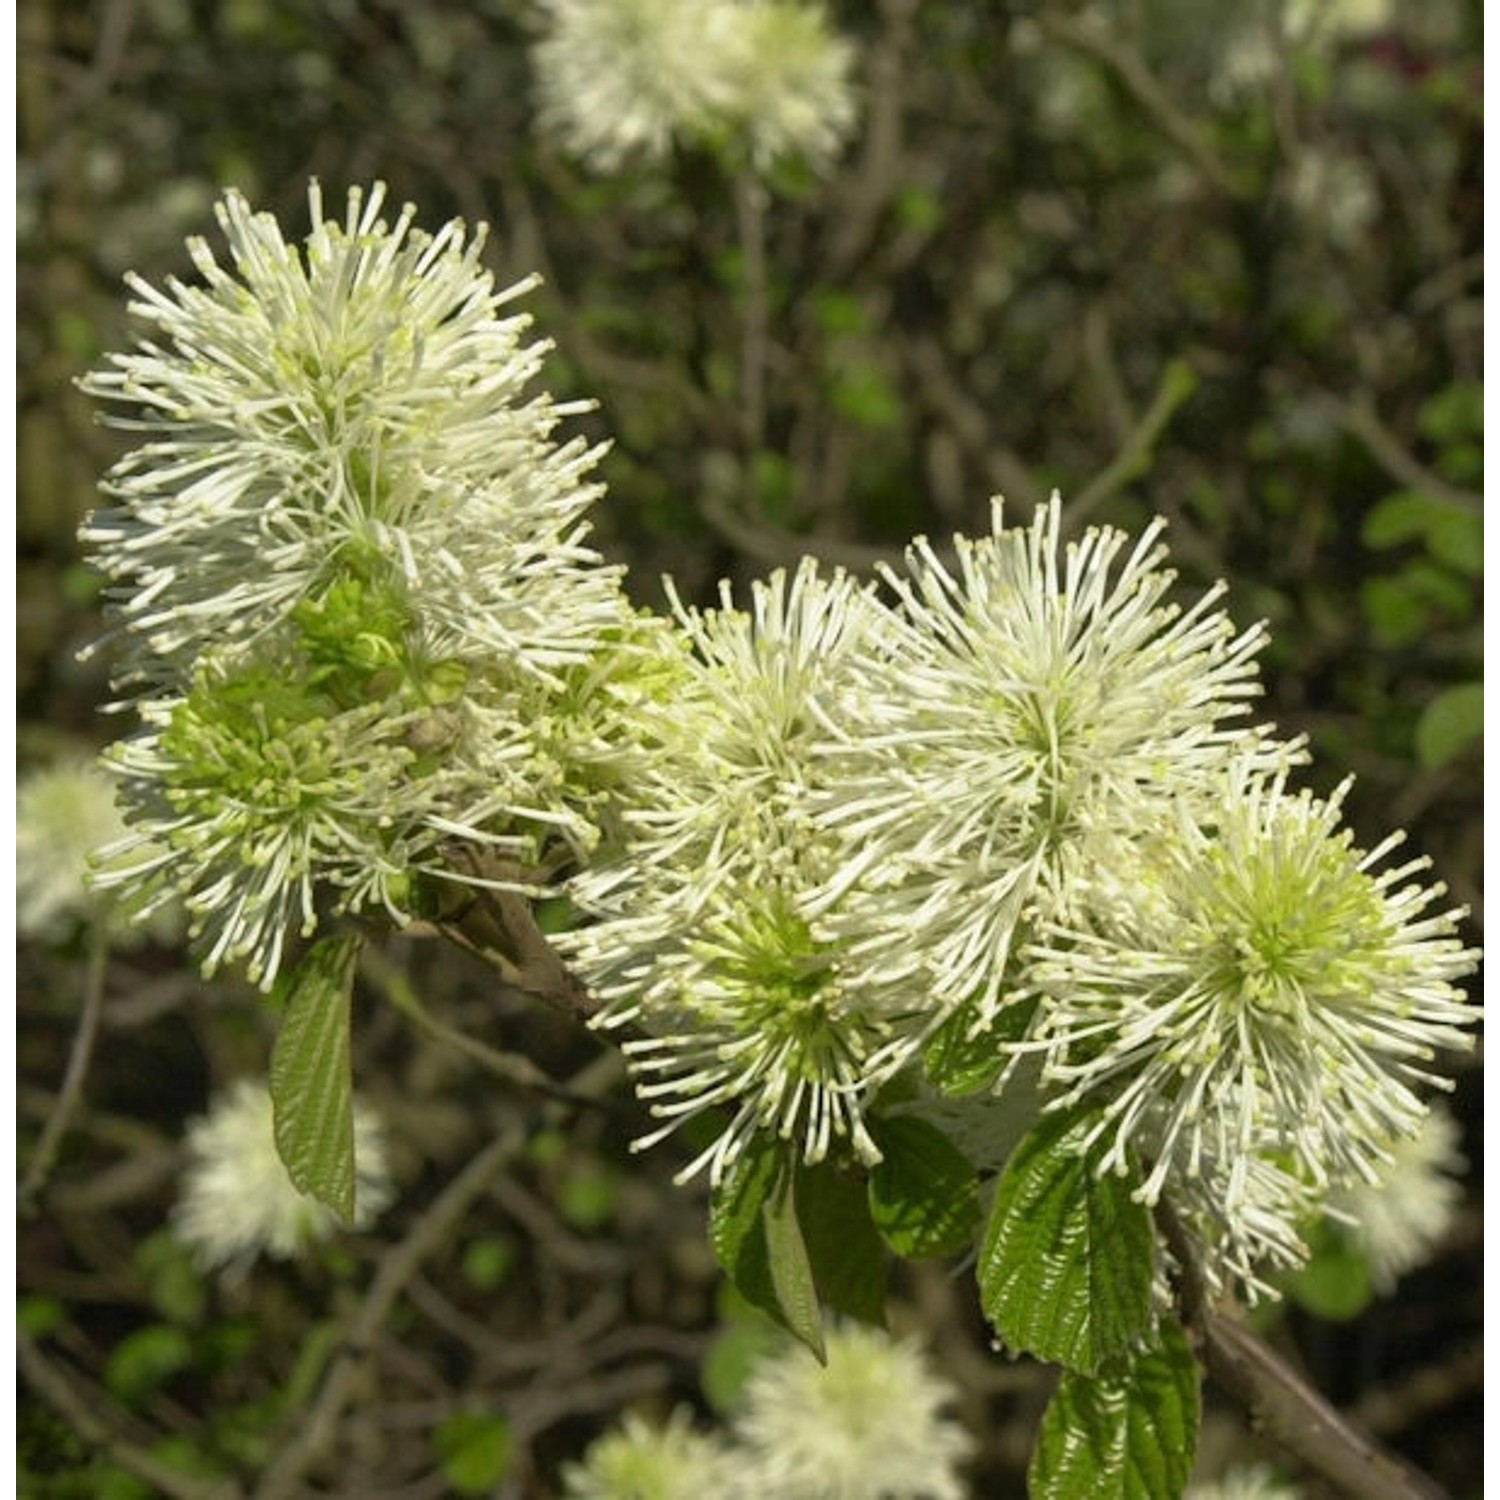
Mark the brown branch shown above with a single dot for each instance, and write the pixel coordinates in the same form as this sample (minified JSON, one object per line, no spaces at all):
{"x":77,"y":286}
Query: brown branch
{"x":1359,"y":419}
{"x":315,"y":1427}
{"x":77,"y":1069}
{"x":82,"y":1412}
{"x":1279,"y":1401}
{"x":498,"y":926}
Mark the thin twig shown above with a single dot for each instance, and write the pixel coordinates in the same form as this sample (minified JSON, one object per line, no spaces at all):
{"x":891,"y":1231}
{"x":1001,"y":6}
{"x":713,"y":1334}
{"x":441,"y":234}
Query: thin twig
{"x":512,"y":1068}
{"x":315,"y":1427}
{"x":77,"y":1069}
{"x":1130,"y":68}
{"x":81,"y":1411}
{"x":750,"y":216}
{"x":1359,"y":420}
{"x":1177,"y":383}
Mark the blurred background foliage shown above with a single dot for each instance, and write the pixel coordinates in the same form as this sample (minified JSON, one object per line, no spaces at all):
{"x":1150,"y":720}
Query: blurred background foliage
{"x":1217,"y":262}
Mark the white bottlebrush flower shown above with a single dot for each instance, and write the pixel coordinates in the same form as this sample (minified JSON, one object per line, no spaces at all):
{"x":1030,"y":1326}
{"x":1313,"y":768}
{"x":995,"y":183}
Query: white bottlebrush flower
{"x":638,"y":1461}
{"x":359,"y":620}
{"x":1033,"y":713}
{"x":1397,"y":1220}
{"x":868,"y":1425}
{"x":1244,"y":1212}
{"x":1245,"y":1482}
{"x":700,"y":940}
{"x":353,"y":408}
{"x":1258,"y":981}
{"x":238,"y":1203}
{"x":621,"y":80}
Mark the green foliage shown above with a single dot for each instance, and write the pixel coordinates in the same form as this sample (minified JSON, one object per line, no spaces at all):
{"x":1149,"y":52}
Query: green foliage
{"x":146,"y":1359}
{"x":963,"y":1058}
{"x":924,"y":1195}
{"x":174,"y":1284}
{"x":1449,"y":724}
{"x":311,"y":1087}
{"x":489,"y":1260}
{"x":1129,"y":1433}
{"x":474,"y":1449}
{"x":1068,"y":1258}
{"x":1335,"y":1282}
{"x":789,"y":1235}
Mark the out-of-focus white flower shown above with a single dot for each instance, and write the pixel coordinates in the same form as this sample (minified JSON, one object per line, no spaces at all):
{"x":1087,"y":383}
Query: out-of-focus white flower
{"x":66,"y":822}
{"x":868,"y":1425}
{"x":794,"y":95}
{"x":1250,"y":54}
{"x":1257,"y":985}
{"x":1247,"y":1482}
{"x":359,"y":620}
{"x":64,"y":815}
{"x":1030,"y":716}
{"x":1335,"y":194}
{"x":237,"y":1201}
{"x":622,"y":80}
{"x":637,"y":1461}
{"x":1397,"y":1220}
{"x":700,"y":938}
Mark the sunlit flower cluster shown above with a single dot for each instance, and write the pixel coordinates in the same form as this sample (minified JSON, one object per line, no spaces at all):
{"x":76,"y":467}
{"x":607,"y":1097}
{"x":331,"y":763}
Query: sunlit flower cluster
{"x":349,"y":578}
{"x":621,"y":81}
{"x":1255,"y":1010}
{"x":1035,"y":712}
{"x":237,"y":1202}
{"x":700,"y":937}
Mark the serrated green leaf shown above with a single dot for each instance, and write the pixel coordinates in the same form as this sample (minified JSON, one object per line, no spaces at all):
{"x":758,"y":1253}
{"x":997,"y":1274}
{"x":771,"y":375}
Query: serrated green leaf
{"x":1128,"y":1435}
{"x":753,"y":1204}
{"x":312,"y":1093}
{"x":1450,"y":723}
{"x":1068,"y":1258}
{"x":959,"y":1063}
{"x":924,"y":1194}
{"x":735,"y":1228}
{"x":790,"y":1266}
{"x":848,"y":1258}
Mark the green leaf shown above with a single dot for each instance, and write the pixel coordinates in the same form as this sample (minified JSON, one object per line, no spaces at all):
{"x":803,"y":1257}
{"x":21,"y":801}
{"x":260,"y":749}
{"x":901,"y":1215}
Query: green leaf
{"x":312,"y":1094}
{"x":1450,"y":532}
{"x":1450,"y":723}
{"x":1066,"y":1267}
{"x":474,"y":1449}
{"x":924,"y":1195}
{"x":1128,"y":1435}
{"x":1335,"y":1282}
{"x":790,"y":1266}
{"x":959,"y":1063}
{"x":145,"y":1359}
{"x":843,"y":1245}
{"x":755,"y":1236}
{"x":735,"y":1229}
